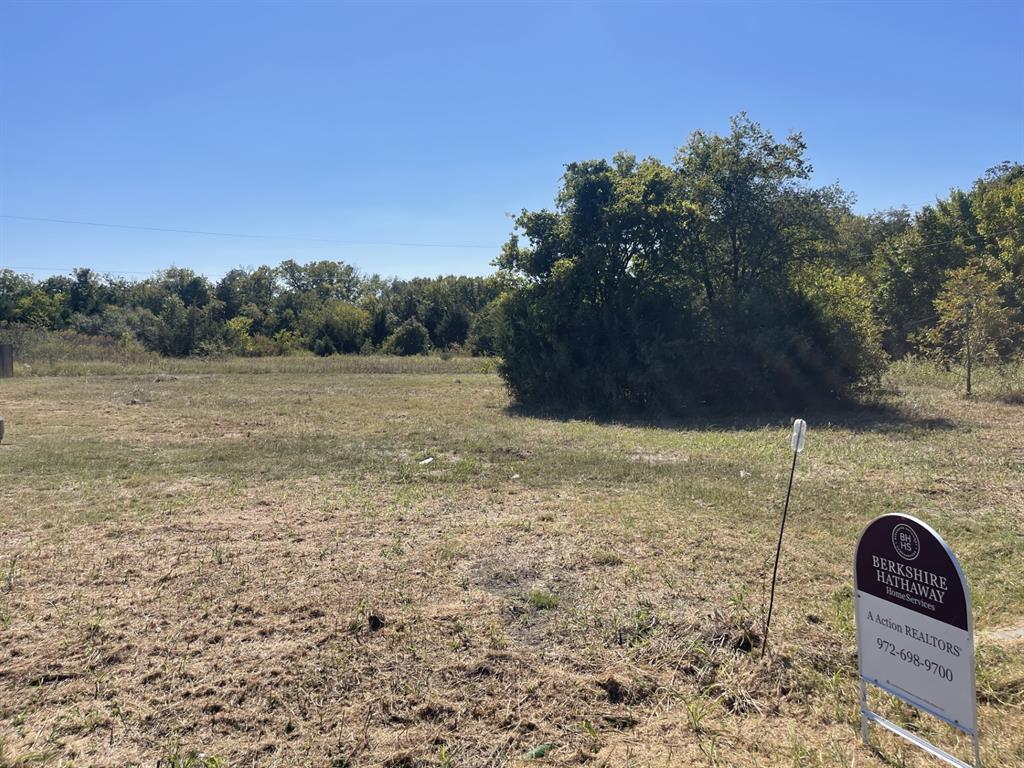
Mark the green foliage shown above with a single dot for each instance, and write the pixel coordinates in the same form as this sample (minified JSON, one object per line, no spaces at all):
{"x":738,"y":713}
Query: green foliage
{"x":751,"y":212}
{"x":971,"y":315}
{"x":190,"y":759}
{"x":538,"y":752}
{"x":843,"y":302}
{"x":34,"y":346}
{"x":250,"y":294}
{"x":974,"y":326}
{"x":410,"y":338}
{"x":676,"y":287}
{"x":336,"y":327}
{"x":983,"y":227}
{"x":281,"y":343}
{"x":543,"y":601}
{"x":445,"y":306}
{"x":237,"y":333}
{"x":487,"y":328}
{"x":39,"y":308}
{"x":323,"y":306}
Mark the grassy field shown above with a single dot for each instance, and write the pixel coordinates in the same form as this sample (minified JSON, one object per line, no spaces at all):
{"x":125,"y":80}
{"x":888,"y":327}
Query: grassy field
{"x":369,"y":562}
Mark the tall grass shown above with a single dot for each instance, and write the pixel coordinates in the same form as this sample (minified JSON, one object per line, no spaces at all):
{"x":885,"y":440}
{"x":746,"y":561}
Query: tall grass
{"x":1002,"y":383}
{"x":41,"y":348}
{"x":40,"y":352}
{"x":302,"y":365}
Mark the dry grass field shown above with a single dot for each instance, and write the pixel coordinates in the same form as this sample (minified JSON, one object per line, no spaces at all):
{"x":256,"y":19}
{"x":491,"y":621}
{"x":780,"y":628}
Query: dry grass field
{"x":365,"y":562}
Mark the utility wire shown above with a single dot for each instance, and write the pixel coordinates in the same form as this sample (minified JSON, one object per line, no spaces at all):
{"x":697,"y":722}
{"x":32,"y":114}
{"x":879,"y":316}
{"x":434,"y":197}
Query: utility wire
{"x":247,"y":235}
{"x":72,"y":269}
{"x":921,"y":246}
{"x":382,"y":243}
{"x":898,"y":248}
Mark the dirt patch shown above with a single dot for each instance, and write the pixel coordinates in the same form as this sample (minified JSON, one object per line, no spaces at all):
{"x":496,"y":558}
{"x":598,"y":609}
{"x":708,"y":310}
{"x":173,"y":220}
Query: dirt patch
{"x":1005,"y":635}
{"x":659,"y":457}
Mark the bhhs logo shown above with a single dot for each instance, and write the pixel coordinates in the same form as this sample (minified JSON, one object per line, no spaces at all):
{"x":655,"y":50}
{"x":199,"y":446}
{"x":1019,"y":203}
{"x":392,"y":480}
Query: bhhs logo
{"x":905,"y":542}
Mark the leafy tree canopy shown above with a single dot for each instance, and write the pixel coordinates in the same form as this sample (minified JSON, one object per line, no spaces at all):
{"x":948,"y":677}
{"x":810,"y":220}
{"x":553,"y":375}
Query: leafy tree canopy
{"x":676,"y":286}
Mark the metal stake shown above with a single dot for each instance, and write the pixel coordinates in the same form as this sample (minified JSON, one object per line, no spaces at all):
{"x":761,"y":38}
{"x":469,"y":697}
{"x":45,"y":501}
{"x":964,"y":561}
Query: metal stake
{"x":799,"y":430}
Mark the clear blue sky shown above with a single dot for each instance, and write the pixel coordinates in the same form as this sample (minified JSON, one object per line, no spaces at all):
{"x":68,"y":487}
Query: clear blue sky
{"x":431,"y":123}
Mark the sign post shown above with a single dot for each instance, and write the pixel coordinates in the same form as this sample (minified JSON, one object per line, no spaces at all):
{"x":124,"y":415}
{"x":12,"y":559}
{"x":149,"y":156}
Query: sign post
{"x":6,"y":361}
{"x":797,"y":442}
{"x":915,"y":628}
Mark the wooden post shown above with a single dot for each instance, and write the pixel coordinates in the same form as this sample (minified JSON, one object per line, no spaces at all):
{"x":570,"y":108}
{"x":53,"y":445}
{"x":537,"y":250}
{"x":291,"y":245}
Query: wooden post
{"x":6,"y":361}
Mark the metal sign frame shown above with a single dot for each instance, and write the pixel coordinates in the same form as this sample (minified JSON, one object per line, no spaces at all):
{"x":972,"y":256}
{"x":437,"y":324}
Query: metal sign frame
{"x":867,"y":716}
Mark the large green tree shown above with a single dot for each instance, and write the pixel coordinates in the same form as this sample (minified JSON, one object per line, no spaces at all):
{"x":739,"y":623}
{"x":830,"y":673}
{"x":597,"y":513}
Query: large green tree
{"x":677,"y":286}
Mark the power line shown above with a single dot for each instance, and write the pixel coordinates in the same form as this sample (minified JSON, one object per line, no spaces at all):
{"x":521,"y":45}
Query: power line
{"x":71,"y":269}
{"x":898,"y":248}
{"x":913,"y":208}
{"x":248,"y":236}
{"x":381,"y":243}
{"x":920,"y":246}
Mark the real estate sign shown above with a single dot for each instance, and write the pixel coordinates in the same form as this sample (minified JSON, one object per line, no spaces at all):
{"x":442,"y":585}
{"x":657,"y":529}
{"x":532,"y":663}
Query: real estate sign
{"x":915,"y":633}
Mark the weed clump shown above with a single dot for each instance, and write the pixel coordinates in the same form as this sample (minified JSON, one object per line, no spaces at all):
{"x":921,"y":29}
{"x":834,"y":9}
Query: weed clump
{"x":543,"y":601}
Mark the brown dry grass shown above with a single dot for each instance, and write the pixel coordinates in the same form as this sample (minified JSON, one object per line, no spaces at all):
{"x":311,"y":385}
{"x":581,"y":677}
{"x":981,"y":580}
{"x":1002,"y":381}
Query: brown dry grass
{"x":255,"y":567}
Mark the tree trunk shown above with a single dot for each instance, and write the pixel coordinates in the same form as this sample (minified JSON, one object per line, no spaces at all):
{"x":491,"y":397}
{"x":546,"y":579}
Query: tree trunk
{"x":970,"y":360}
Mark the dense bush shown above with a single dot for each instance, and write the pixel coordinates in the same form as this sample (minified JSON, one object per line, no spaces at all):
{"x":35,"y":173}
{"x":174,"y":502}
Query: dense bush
{"x":707,"y":283}
{"x":410,"y":338}
{"x":336,"y":327}
{"x":488,"y":325}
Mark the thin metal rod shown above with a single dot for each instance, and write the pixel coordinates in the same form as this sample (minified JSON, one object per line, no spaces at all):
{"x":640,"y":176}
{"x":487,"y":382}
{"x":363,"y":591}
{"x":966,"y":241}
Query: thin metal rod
{"x":927,"y":746}
{"x":778,"y":553}
{"x":864,"y":711}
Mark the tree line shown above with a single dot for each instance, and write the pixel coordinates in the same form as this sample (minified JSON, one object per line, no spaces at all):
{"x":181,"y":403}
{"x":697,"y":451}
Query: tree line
{"x":720,"y":278}
{"x":326,"y":307}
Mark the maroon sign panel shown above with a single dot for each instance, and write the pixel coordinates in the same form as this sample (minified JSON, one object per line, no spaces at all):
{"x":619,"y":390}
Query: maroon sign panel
{"x":902,"y":561}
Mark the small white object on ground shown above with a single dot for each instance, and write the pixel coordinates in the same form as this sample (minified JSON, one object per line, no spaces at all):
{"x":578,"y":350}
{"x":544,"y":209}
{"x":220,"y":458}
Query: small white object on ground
{"x":427,"y":460}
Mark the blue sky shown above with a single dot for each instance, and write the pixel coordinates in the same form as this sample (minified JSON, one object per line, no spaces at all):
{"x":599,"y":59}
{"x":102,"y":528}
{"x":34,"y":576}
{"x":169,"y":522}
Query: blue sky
{"x":431,"y":123}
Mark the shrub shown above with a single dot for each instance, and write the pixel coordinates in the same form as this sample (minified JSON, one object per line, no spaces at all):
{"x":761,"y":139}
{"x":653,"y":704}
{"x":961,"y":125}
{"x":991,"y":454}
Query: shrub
{"x":337,"y":327}
{"x":237,"y":335}
{"x":410,"y":338}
